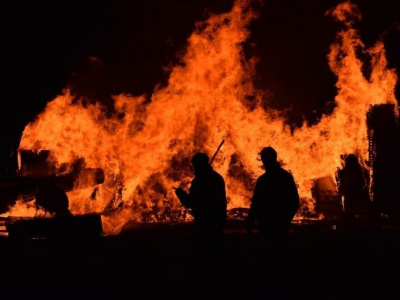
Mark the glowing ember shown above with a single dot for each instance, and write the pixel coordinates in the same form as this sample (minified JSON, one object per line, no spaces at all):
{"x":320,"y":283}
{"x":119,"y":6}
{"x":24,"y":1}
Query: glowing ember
{"x":145,"y":148}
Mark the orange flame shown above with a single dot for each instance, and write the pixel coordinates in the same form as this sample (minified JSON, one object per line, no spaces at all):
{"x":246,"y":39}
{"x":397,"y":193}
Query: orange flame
{"x":146,"y":146}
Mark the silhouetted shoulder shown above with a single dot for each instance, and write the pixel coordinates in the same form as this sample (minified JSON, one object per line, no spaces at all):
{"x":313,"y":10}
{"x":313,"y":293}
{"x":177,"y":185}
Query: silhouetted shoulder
{"x":287,"y":173}
{"x":262,"y":177}
{"x":218,"y":176}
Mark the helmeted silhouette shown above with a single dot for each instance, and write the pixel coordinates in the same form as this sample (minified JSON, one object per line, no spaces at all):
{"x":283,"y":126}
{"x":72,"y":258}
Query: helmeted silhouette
{"x":353,"y":187}
{"x":207,"y":203}
{"x":52,"y":198}
{"x":275,"y":199}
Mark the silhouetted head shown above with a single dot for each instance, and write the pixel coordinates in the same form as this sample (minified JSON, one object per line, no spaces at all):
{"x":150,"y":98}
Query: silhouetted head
{"x":269,"y":157}
{"x":200,"y":162}
{"x":351,"y":160}
{"x":45,"y":182}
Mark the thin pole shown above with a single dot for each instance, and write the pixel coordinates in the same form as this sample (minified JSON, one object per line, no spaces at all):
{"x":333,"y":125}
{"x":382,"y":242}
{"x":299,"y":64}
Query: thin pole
{"x":215,"y":154}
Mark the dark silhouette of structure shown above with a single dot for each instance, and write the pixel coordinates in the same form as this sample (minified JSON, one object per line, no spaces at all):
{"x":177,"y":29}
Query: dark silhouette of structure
{"x":384,"y":149}
{"x":52,"y":198}
{"x":353,"y":186}
{"x":275,"y":200}
{"x":207,"y":203}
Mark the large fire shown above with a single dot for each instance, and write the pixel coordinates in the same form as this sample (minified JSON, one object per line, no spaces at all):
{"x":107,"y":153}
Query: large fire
{"x":146,"y":146}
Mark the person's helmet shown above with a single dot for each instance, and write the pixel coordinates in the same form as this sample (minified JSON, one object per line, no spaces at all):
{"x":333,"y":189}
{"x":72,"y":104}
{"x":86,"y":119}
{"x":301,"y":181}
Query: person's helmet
{"x":200,"y":159}
{"x":268,"y":154}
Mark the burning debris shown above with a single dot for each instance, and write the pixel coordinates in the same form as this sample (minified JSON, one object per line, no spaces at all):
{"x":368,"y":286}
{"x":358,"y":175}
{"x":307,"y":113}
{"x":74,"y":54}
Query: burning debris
{"x":40,"y":188}
{"x":328,"y":200}
{"x":37,"y":169}
{"x":205,"y":100}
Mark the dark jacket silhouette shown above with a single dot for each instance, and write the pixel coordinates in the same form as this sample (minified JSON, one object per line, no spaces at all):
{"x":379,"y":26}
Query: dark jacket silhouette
{"x":353,"y":187}
{"x":52,"y":198}
{"x":206,"y":201}
{"x":275,"y":199}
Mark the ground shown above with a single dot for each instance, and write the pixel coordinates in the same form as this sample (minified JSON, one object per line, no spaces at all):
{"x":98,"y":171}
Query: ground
{"x":323,"y":260}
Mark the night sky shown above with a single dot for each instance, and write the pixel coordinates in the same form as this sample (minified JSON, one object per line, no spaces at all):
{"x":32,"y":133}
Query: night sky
{"x":101,"y":48}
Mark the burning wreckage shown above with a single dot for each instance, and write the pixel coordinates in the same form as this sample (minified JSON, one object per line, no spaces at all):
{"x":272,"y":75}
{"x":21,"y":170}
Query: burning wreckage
{"x":40,"y":182}
{"x":354,"y":194}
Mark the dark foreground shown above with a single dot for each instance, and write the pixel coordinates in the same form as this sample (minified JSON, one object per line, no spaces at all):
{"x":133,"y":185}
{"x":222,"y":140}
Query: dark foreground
{"x":323,"y":261}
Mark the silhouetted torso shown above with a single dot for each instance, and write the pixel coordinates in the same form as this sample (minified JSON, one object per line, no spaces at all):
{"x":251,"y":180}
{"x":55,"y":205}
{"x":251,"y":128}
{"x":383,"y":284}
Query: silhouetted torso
{"x":275,"y":201}
{"x":353,"y":187}
{"x":207,"y":203}
{"x":207,"y":200}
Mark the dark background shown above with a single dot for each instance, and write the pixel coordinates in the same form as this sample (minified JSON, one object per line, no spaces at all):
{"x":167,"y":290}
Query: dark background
{"x":101,"y":48}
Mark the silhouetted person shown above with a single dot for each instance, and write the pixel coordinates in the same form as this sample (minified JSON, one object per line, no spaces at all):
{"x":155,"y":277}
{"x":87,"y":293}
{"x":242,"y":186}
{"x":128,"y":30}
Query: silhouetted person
{"x":207,"y":202}
{"x":353,"y":187}
{"x":52,"y":198}
{"x":275,"y":201}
